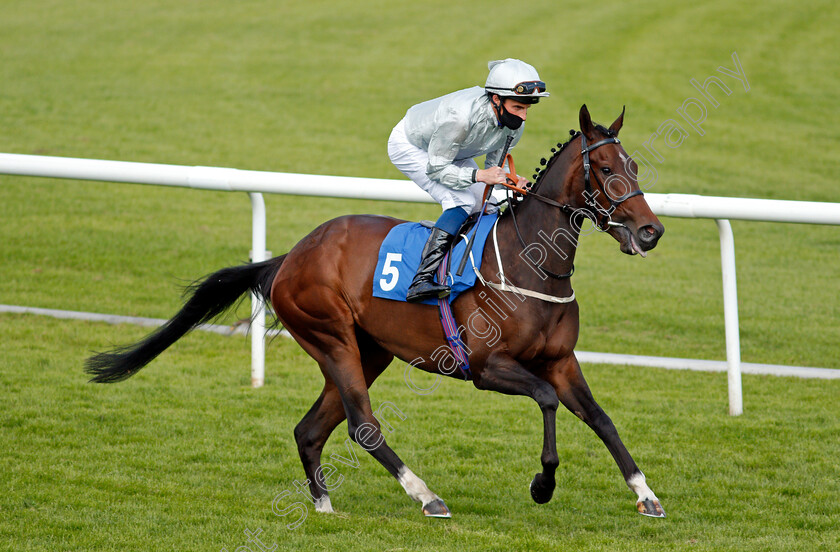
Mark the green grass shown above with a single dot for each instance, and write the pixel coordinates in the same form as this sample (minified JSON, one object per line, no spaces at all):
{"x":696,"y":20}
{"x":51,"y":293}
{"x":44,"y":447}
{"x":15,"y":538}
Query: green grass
{"x":186,"y":456}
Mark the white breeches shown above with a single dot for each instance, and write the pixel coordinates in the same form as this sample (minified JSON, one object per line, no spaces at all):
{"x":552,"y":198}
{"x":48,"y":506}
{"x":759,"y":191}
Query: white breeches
{"x":412,"y":162}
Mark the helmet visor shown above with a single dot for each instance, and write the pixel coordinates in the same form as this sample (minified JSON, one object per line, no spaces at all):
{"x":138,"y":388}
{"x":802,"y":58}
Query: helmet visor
{"x":528,"y":87}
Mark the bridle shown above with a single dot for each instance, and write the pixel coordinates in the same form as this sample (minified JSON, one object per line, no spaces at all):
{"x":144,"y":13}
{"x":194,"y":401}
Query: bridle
{"x":601,"y":221}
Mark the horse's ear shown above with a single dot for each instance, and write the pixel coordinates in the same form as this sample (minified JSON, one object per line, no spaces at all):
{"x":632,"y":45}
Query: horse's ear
{"x":585,"y":121}
{"x":616,"y":126}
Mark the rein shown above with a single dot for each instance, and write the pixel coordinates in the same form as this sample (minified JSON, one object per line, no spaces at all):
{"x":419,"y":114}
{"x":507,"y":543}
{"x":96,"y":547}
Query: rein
{"x":511,"y":185}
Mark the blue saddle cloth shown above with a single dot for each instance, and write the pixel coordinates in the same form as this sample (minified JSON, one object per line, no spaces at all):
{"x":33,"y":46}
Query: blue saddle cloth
{"x":399,"y":257}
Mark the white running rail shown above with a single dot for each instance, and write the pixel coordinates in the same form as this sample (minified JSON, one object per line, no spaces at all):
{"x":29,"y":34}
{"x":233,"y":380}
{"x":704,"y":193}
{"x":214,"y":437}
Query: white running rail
{"x":720,"y":209}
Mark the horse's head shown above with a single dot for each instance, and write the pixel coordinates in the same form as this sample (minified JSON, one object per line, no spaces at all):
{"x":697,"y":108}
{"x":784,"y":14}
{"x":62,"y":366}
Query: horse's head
{"x":605,"y":186}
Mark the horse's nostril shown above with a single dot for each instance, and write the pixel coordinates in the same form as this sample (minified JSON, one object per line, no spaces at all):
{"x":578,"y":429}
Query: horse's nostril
{"x":649,"y":234}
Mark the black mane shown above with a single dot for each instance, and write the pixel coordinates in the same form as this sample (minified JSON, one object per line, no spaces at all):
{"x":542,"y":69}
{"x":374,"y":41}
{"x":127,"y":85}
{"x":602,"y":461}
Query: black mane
{"x":539,"y":171}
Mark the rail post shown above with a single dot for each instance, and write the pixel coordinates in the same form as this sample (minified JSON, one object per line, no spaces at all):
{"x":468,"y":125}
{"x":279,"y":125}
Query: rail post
{"x":730,"y":316}
{"x":258,"y":254}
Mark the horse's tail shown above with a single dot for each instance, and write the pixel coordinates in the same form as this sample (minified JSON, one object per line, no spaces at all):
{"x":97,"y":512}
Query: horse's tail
{"x":207,"y":299}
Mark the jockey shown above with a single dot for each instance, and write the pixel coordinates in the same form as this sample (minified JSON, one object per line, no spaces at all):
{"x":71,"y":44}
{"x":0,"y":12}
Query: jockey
{"x":435,"y":145}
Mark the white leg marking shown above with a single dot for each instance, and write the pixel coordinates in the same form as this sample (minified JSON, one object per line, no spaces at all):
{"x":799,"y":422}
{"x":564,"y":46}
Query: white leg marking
{"x":324,"y":505}
{"x":638,"y":485}
{"x":415,"y":487}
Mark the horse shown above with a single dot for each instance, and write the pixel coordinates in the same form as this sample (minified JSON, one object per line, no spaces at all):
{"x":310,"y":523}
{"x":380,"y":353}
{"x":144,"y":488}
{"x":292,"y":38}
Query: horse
{"x":321,"y":292}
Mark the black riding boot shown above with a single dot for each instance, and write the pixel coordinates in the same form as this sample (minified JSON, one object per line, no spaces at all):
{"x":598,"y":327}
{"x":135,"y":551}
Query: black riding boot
{"x":423,"y":286}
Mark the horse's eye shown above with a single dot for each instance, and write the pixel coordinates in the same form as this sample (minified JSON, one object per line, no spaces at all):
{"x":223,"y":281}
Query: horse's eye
{"x":605,"y":170}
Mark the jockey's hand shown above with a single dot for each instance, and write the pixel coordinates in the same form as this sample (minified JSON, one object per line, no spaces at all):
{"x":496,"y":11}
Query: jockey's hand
{"x":493,"y":175}
{"x":522,"y":182}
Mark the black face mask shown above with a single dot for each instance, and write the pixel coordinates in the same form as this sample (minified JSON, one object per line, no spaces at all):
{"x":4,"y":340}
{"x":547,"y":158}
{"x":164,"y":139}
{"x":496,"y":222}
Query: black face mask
{"x":508,"y":119}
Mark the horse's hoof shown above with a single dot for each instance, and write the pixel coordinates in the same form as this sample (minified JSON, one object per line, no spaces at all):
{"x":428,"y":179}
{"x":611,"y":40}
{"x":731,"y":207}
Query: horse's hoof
{"x":437,"y":509}
{"x":540,"y":490}
{"x":651,"y":508}
{"x":323,"y":505}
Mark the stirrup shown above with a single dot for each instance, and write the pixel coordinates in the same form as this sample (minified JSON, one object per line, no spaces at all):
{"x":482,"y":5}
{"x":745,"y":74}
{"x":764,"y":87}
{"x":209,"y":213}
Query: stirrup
{"x":427,"y":290}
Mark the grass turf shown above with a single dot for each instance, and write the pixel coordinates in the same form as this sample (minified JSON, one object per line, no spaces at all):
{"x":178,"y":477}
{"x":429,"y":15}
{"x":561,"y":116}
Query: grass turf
{"x":186,"y":456}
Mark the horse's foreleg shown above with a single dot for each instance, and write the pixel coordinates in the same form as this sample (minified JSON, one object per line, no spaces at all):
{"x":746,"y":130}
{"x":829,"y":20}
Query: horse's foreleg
{"x":503,"y":374}
{"x":575,"y":395}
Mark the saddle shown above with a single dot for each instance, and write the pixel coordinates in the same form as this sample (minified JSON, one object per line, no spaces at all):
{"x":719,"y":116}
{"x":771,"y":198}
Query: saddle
{"x":400,"y":255}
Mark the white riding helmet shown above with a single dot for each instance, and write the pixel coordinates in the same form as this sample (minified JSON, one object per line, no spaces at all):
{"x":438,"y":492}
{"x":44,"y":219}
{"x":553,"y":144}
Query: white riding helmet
{"x":513,"y":78}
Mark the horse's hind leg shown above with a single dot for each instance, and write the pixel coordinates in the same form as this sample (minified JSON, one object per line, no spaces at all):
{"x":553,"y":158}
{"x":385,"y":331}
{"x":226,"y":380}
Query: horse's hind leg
{"x":341,"y":362}
{"x":364,"y":429}
{"x":313,"y":431}
{"x":574,"y":393}
{"x":311,"y":435}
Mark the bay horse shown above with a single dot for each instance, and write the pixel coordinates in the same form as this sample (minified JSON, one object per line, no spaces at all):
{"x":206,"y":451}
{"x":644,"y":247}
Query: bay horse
{"x":321,"y":292}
